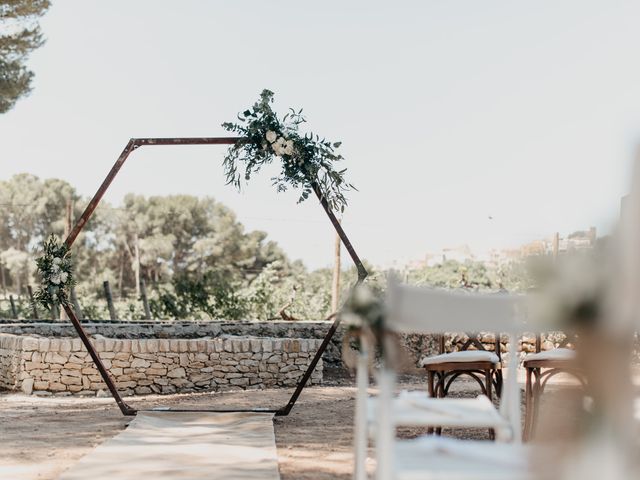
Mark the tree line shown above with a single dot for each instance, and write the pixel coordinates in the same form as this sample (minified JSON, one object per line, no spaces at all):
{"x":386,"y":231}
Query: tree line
{"x":196,"y":258}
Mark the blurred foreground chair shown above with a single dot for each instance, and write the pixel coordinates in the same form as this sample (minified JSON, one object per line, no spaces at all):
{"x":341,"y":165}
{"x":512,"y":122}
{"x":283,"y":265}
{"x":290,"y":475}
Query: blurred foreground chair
{"x":540,"y":368}
{"x":419,"y":310}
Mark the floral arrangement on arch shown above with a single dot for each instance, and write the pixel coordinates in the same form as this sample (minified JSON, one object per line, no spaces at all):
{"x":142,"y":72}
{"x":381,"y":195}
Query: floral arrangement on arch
{"x":364,"y":315}
{"x":307,"y":160}
{"x":56,"y":274}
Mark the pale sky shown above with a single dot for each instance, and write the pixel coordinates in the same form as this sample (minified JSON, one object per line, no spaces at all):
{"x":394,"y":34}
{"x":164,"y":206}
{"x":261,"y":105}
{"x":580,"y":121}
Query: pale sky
{"x":449,"y":112}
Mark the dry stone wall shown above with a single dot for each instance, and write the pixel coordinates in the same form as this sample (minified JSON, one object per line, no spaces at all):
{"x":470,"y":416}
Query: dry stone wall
{"x":416,"y":346}
{"x":142,"y":366}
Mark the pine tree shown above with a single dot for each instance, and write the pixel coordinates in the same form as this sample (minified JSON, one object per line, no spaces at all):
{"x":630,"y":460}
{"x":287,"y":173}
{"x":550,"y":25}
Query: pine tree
{"x":20,"y":35}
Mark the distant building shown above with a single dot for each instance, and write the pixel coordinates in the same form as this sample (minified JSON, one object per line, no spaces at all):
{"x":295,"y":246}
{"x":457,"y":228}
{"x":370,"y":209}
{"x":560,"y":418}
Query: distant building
{"x":554,"y":245}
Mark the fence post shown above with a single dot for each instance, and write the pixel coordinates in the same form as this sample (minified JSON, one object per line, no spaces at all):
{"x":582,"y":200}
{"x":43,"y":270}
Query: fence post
{"x":14,"y":312}
{"x":107,"y":293}
{"x":76,"y":304}
{"x":145,"y":300}
{"x":34,"y":310}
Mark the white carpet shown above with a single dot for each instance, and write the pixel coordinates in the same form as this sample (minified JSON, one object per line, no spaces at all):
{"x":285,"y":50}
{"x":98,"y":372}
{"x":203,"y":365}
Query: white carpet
{"x":174,"y":445}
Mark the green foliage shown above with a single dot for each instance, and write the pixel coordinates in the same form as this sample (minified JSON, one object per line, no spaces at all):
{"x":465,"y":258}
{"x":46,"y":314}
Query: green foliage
{"x":210,"y":296}
{"x":307,"y":160}
{"x":20,"y":36}
{"x":56,"y":273}
{"x":513,"y":276}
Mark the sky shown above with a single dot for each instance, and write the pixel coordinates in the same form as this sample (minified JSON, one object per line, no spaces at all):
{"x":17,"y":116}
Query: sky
{"x":482,"y":123}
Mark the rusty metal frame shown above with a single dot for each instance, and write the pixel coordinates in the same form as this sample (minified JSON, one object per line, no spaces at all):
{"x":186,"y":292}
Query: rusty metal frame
{"x":132,"y":145}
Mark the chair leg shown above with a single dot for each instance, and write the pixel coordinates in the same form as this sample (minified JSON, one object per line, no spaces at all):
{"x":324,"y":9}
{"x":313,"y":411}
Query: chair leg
{"x":498,"y":382}
{"x":431,"y":387}
{"x":441,"y":376}
{"x":487,"y":385}
{"x":535,"y":399}
{"x":528,"y":413}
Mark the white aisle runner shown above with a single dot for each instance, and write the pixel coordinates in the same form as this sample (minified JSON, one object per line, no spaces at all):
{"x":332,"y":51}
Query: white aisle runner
{"x":175,"y":445}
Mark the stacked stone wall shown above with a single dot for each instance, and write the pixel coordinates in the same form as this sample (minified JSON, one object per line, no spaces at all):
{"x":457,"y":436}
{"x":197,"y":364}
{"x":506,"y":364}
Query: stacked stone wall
{"x":144,"y":366}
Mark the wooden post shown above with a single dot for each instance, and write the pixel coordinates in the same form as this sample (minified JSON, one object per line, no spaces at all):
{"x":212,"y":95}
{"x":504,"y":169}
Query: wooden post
{"x":76,"y":305}
{"x":34,"y":310}
{"x":555,"y":245}
{"x":3,"y":279}
{"x":335,"y":287}
{"x":14,"y":311}
{"x":136,"y":265}
{"x":107,"y":294}
{"x":145,"y":300}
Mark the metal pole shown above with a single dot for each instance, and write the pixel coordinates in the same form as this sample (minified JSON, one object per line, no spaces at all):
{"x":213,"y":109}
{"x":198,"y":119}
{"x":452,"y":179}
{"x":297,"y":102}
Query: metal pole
{"x":88,"y":212}
{"x":124,"y":408}
{"x":362,"y":274}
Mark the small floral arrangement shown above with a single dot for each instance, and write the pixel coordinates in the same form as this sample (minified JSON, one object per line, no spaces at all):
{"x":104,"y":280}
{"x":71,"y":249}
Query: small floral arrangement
{"x":364,"y":315}
{"x":56,"y":271}
{"x":307,"y":160}
{"x":363,"y":309}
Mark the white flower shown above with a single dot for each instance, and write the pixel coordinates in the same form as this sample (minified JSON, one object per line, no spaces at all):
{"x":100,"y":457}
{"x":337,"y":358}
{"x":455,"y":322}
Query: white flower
{"x":57,"y":260}
{"x":55,"y":280}
{"x":271,"y":136}
{"x":278,"y":146}
{"x":55,"y":267}
{"x":288,"y":147}
{"x":63,"y":277}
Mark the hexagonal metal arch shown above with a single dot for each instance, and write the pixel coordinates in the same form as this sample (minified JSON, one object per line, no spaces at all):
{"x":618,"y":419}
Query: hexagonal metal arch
{"x":135,"y":143}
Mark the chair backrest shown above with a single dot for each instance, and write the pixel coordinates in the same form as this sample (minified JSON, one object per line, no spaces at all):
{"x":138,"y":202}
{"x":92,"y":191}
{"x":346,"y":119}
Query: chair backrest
{"x":428,"y":310}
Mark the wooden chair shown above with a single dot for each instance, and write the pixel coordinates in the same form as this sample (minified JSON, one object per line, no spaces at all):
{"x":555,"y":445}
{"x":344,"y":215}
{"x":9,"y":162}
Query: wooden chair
{"x":540,"y":367}
{"x":419,"y":310}
{"x":481,"y":365}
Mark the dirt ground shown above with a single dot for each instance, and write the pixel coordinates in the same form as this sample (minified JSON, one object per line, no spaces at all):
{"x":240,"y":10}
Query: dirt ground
{"x":43,"y":436}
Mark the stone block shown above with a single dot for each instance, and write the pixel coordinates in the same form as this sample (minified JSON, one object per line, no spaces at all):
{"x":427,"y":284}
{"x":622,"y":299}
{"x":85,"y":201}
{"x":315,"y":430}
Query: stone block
{"x":255,"y":345}
{"x":152,"y":345}
{"x":163,"y":345}
{"x":140,"y":363}
{"x":77,"y":345}
{"x":41,"y":385}
{"x":73,"y":366}
{"x":57,"y":387}
{"x":43,"y":344}
{"x":27,"y":385}
{"x":29,"y":343}
{"x":53,"y":357}
{"x":177,"y":373}
{"x":274,"y":359}
{"x":239,"y":381}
